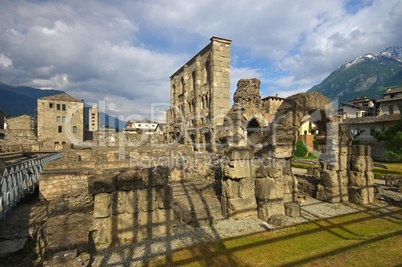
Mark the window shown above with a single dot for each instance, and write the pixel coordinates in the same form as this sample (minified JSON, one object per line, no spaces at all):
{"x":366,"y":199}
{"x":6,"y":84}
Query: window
{"x":50,"y":105}
{"x":58,"y":106}
{"x":391,"y":109}
{"x":75,"y":129}
{"x":207,"y":72}
{"x":60,"y":129}
{"x":63,"y":107}
{"x":58,"y":119}
{"x":182,"y":86}
{"x":63,"y":119}
{"x":193,"y":78}
{"x":372,"y":131}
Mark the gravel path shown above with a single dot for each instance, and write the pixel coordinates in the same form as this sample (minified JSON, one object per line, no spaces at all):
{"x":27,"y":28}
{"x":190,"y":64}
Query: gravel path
{"x":186,"y":236}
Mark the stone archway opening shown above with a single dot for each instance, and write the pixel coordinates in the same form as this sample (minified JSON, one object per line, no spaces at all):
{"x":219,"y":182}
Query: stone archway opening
{"x":253,"y":129}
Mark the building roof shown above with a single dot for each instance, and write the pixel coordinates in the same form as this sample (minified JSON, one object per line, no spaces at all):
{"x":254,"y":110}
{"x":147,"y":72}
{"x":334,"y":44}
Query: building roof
{"x":145,"y":121}
{"x":272,"y":97}
{"x":393,"y":91}
{"x":372,"y":119}
{"x":61,"y":97}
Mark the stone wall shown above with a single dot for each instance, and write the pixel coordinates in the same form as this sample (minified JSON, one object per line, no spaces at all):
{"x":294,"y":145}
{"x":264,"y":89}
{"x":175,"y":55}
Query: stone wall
{"x":199,"y":96}
{"x":132,"y":206}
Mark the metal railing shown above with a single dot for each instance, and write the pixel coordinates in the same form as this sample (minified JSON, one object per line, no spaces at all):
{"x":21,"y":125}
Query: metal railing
{"x":20,"y":178}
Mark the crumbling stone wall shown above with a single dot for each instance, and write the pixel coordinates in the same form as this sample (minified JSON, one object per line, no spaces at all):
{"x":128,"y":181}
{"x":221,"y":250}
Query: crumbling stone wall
{"x":247,"y":106}
{"x":132,"y":206}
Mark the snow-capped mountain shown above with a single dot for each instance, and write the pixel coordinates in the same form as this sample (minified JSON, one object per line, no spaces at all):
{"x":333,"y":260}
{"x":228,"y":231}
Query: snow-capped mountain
{"x":367,"y":75}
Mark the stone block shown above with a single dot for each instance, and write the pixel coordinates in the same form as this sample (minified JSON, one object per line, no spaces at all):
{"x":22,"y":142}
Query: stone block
{"x":128,"y":228}
{"x":102,"y":205}
{"x":118,"y":202}
{"x":268,"y":208}
{"x":329,"y":178}
{"x":238,"y":188}
{"x":147,"y":199}
{"x":132,"y":201}
{"x":283,"y":151}
{"x":292,"y":209}
{"x":159,"y":176}
{"x":278,"y":220}
{"x":357,"y":179}
{"x":164,"y":197}
{"x":237,"y":169}
{"x":400,"y":186}
{"x":155,"y":224}
{"x":240,"y":153}
{"x":362,"y":196}
{"x":268,"y":189}
{"x":102,"y":184}
{"x":132,"y":179}
{"x":238,"y":208}
{"x":370,"y":178}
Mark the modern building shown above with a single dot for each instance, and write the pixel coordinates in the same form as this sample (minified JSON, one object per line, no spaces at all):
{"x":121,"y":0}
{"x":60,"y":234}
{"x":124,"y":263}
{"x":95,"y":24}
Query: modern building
{"x":60,"y":121}
{"x":390,"y":102}
{"x":359,"y":107}
{"x":199,"y":96}
{"x":363,"y":128}
{"x":143,"y":126}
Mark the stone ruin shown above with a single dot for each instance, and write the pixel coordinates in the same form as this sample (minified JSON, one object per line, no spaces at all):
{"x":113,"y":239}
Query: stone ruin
{"x":132,"y":197}
{"x":258,"y":179}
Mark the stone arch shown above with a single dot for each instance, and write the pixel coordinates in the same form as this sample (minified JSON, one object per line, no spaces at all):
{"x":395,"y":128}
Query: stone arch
{"x":289,"y":118}
{"x":253,"y":129}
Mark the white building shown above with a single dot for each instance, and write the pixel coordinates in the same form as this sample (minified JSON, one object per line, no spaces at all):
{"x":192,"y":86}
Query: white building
{"x":390,"y":102}
{"x":143,"y":126}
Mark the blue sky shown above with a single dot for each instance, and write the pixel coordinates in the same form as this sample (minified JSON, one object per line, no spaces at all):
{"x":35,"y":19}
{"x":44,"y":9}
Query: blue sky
{"x":123,"y":52}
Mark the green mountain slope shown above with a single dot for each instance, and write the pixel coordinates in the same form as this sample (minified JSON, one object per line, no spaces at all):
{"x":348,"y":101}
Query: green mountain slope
{"x":368,"y":75}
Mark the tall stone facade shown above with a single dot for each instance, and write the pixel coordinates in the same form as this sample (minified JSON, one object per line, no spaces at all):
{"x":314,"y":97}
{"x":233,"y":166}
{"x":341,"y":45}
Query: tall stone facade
{"x":199,"y":96}
{"x":60,"y":121}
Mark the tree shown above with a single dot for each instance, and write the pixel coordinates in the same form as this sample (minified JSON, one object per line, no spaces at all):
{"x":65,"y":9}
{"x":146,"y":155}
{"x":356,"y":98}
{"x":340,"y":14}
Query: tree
{"x":301,"y":149}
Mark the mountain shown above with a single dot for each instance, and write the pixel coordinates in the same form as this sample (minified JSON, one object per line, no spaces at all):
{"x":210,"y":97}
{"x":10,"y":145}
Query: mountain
{"x":368,"y":75}
{"x":18,"y":100}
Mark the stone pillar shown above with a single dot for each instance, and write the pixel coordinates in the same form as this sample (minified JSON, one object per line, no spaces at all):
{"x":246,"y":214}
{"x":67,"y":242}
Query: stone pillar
{"x":238,"y":186}
{"x":361,"y":177}
{"x":334,"y":165}
{"x":269,"y":187}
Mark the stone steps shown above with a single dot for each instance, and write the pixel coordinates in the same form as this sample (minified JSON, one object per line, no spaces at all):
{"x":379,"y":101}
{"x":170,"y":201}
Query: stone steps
{"x":195,"y":203}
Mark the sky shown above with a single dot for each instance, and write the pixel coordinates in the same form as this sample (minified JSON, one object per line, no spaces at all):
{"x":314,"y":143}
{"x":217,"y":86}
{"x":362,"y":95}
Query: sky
{"x":120,"y":54}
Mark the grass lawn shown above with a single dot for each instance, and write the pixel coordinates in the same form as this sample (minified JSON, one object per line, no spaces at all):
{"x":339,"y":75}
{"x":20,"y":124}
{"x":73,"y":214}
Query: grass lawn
{"x":393,"y":168}
{"x":369,"y":238}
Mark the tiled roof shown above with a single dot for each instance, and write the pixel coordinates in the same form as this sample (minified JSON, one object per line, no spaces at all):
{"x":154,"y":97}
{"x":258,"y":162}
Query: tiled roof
{"x":372,"y":119}
{"x":61,"y":97}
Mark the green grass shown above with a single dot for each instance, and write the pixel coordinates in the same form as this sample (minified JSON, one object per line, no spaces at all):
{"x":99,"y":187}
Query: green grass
{"x":301,"y":165}
{"x":393,"y":168}
{"x":360,"y":239}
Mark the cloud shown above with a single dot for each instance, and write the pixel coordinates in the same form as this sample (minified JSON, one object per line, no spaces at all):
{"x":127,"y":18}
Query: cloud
{"x":123,"y":52}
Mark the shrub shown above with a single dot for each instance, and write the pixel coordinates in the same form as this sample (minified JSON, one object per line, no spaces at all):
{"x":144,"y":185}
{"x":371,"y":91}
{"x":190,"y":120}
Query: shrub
{"x":301,"y":149}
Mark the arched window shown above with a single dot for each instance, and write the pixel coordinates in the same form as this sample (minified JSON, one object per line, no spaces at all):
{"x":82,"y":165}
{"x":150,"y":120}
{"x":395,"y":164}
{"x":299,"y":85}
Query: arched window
{"x":193,"y":79}
{"x":182,"y":85}
{"x":207,"y":72}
